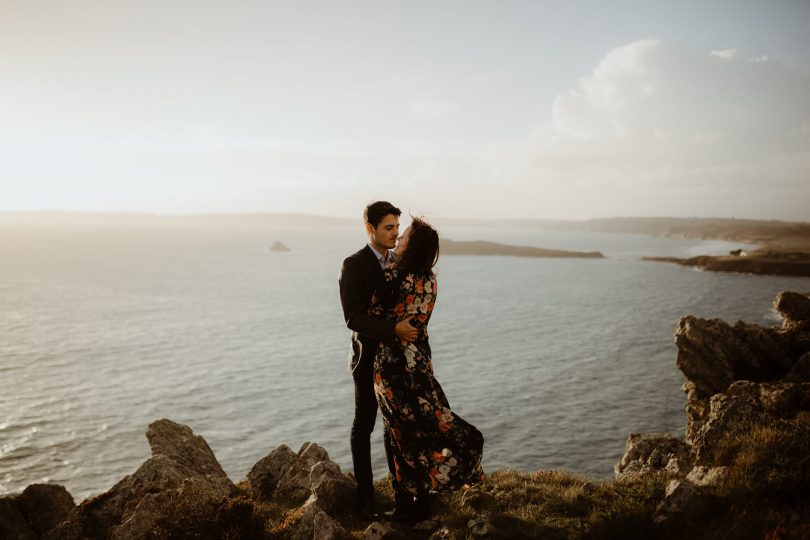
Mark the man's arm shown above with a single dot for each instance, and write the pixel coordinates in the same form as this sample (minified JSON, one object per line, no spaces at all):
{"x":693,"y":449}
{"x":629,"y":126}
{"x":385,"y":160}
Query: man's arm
{"x":354,"y":300}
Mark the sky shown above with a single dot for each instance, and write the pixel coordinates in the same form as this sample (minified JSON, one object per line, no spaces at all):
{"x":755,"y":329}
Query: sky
{"x":485,"y":109}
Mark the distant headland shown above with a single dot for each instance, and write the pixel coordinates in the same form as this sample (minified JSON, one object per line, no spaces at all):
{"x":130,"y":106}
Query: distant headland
{"x":482,"y":247}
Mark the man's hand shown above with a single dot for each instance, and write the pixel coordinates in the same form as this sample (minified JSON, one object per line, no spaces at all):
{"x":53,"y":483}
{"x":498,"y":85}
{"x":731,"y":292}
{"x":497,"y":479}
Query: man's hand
{"x":405,"y":331}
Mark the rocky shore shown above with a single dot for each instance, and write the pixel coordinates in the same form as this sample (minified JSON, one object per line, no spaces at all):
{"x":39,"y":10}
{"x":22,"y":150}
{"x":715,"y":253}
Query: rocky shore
{"x":741,"y":470}
{"x":756,"y":262}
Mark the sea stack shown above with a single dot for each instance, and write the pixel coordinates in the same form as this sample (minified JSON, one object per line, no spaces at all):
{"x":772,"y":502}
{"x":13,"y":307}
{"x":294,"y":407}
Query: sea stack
{"x":279,"y":246}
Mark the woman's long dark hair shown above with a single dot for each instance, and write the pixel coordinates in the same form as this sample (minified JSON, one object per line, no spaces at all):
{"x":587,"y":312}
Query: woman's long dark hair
{"x":422,"y":251}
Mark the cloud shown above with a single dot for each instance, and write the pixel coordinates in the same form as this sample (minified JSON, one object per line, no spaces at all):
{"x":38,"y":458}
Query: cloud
{"x":726,"y":54}
{"x":659,"y":119}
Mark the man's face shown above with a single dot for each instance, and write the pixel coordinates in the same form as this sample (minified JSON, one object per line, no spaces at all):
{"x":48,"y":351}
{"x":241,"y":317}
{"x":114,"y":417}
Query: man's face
{"x":385,"y":234}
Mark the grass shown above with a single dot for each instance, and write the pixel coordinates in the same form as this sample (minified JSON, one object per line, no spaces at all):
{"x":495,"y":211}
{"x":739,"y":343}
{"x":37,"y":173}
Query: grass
{"x":767,"y":495}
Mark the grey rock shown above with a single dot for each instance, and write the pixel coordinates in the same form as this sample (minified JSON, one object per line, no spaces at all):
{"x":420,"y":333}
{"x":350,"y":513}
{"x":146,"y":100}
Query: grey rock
{"x":794,"y":307}
{"x":378,"y":530}
{"x":651,"y":453}
{"x":713,"y":354}
{"x":476,"y":499}
{"x":315,"y":524}
{"x":45,"y":506}
{"x":177,"y":455}
{"x":728,"y":415}
{"x":681,"y":499}
{"x":481,"y":525}
{"x":800,"y":371}
{"x":702,"y":475}
{"x":332,"y":490}
{"x":442,"y":534}
{"x":13,"y":524}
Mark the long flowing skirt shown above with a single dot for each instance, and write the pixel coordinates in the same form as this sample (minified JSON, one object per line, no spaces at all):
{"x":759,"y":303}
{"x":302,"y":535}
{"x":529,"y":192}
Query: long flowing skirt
{"x":429,"y":446}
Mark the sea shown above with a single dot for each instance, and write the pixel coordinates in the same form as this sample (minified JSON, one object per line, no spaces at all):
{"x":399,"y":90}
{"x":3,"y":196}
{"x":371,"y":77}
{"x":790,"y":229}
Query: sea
{"x":105,"y":329}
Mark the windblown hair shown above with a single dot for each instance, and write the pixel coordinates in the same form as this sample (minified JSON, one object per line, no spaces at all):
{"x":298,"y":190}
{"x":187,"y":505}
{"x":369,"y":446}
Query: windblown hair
{"x":376,"y":211}
{"x":422,"y":251}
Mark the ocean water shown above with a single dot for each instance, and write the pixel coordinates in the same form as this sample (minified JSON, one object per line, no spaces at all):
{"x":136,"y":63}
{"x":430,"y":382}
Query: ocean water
{"x":556,"y":361}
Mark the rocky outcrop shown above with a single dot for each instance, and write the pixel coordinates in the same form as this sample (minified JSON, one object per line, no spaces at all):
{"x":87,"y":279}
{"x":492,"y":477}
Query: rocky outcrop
{"x":653,"y":452}
{"x":179,"y":460}
{"x":737,"y":376}
{"x":184,"y":475}
{"x":34,"y":512}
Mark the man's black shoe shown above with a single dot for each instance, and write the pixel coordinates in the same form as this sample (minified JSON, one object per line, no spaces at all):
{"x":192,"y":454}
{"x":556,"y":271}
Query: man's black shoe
{"x":406,"y":516}
{"x":367,"y":512}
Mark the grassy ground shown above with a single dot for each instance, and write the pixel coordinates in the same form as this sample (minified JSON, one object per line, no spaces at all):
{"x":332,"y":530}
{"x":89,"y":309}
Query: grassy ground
{"x":767,"y":496}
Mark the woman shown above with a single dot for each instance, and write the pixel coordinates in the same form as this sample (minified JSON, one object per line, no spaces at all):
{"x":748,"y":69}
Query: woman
{"x":429,"y":448}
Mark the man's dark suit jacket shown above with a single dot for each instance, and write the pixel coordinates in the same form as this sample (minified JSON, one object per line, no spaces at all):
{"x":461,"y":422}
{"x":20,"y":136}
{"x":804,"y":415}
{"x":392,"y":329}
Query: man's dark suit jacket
{"x":360,"y":277}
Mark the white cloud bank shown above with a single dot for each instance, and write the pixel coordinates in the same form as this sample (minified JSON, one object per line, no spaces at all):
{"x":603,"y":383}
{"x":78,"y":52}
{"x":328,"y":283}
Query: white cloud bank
{"x":656,"y":129}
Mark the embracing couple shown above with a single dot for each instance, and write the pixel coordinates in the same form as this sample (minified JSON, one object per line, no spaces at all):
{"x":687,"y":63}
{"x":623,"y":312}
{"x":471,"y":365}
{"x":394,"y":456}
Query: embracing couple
{"x":387,"y":296}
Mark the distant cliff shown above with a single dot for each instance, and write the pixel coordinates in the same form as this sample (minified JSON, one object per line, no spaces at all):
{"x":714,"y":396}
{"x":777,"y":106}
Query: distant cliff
{"x":481,"y":247}
{"x":741,"y":471}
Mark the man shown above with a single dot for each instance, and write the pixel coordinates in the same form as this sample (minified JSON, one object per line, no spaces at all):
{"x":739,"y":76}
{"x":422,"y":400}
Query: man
{"x":360,"y":276}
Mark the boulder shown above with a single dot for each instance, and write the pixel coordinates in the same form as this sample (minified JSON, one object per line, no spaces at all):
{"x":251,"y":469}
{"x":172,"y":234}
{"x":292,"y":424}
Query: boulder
{"x":481,"y":525}
{"x":800,"y":371}
{"x":728,"y":415}
{"x":284,"y":475}
{"x":379,"y":530}
{"x":794,"y":307}
{"x":712,"y":354}
{"x":315,"y":524}
{"x":13,"y":524}
{"x":651,"y":453}
{"x":42,"y":507}
{"x":331,"y":490}
{"x":128,"y":509}
{"x":682,"y":498}
{"x":702,"y":475}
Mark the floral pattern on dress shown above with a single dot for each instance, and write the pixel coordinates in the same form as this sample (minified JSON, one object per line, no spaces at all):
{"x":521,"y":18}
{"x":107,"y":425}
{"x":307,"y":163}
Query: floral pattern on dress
{"x":430,"y":446}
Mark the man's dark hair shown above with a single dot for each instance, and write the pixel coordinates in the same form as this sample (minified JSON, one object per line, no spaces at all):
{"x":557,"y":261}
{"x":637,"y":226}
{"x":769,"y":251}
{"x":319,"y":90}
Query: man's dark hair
{"x":376,"y":211}
{"x":422,"y":251}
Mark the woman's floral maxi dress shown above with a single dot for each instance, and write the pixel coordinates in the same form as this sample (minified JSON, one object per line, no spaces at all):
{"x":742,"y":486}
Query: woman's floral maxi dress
{"x":428,"y":446}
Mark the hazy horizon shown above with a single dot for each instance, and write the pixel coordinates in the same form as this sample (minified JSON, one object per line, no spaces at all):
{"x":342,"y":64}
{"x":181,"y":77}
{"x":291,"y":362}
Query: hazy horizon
{"x":531,"y":110}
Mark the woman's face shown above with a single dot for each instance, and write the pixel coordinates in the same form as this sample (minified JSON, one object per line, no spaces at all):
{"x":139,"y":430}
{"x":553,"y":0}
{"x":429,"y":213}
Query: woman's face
{"x":402,"y":242}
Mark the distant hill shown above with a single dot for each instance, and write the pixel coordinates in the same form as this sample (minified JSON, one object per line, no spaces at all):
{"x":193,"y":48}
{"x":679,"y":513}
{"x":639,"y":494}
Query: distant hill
{"x":480,"y":247}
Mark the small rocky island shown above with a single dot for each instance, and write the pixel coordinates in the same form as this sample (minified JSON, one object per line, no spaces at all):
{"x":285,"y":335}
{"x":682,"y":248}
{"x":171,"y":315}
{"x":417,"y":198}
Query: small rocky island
{"x":741,"y":471}
{"x":279,"y":246}
{"x":481,"y":247}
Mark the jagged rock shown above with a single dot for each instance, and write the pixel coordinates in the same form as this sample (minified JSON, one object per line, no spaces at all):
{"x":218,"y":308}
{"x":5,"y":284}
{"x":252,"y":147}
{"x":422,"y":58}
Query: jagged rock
{"x":44,"y":506}
{"x":13,"y":524}
{"x":481,"y":525}
{"x":780,"y":399}
{"x":800,"y":372}
{"x":681,"y":499}
{"x":794,"y":307}
{"x":283,"y":473}
{"x":178,"y":443}
{"x":315,"y":524}
{"x":177,"y":455}
{"x":476,"y":499}
{"x":728,"y":415}
{"x":713,"y":354}
{"x":378,"y":531}
{"x":650,"y":453}
{"x":331,"y":490}
{"x":702,"y":475}
{"x":442,"y":534}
